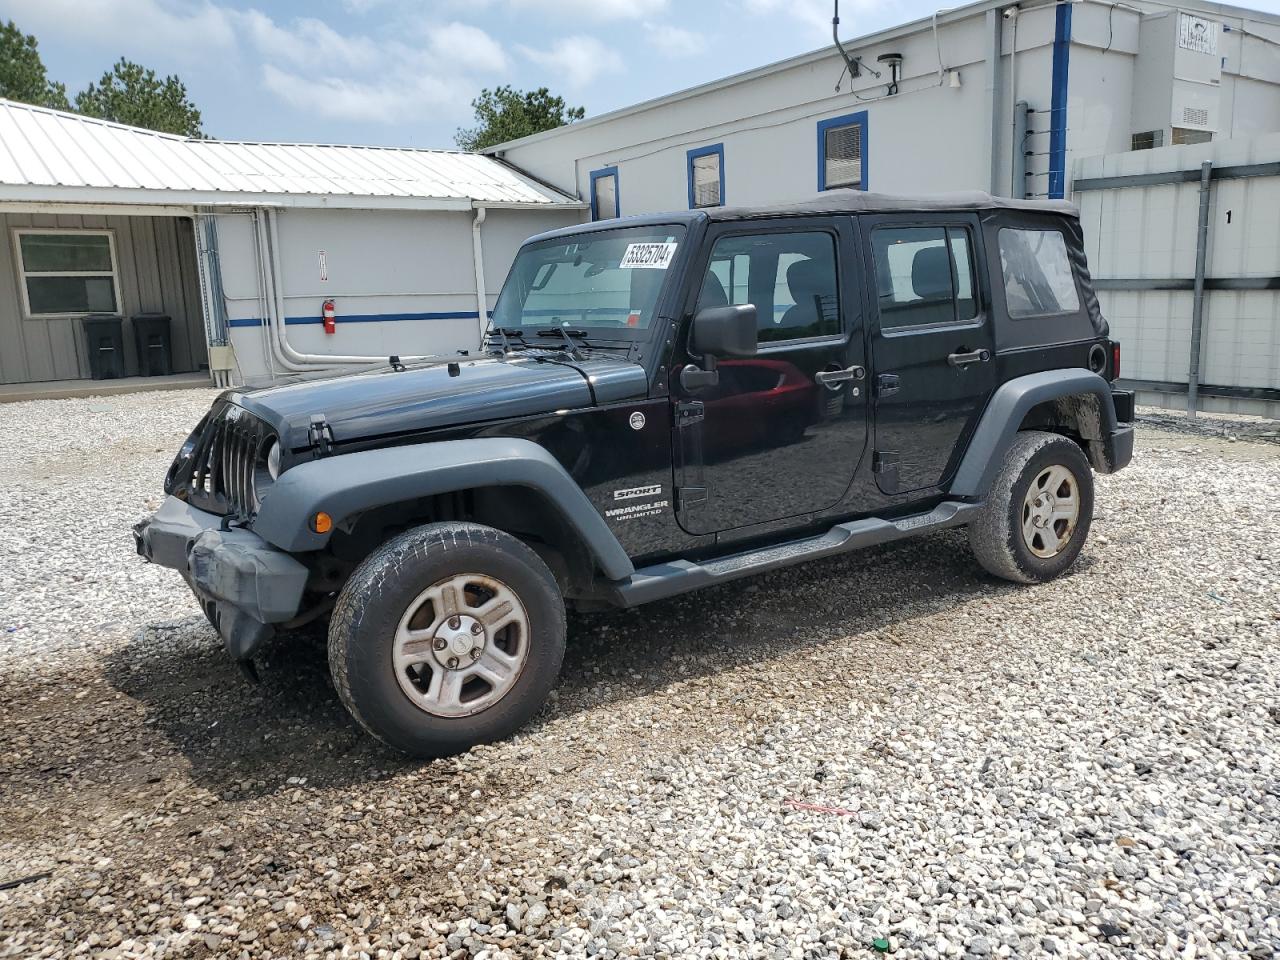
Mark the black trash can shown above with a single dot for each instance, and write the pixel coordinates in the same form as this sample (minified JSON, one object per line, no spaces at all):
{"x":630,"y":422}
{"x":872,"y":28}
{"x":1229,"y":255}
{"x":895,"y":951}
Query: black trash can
{"x":104,"y":334}
{"x":151,"y":335}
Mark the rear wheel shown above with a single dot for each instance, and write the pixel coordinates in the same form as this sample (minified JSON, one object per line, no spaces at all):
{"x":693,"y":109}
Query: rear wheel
{"x":1038,"y":514}
{"x":448,"y":636}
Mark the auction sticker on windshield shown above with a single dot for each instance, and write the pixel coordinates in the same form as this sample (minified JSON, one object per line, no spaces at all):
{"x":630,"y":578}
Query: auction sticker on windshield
{"x":648,"y":256}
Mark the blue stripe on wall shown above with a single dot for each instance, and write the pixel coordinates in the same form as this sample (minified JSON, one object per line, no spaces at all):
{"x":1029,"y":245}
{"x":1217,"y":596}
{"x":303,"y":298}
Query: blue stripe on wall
{"x":1058,"y":104}
{"x":364,"y":318}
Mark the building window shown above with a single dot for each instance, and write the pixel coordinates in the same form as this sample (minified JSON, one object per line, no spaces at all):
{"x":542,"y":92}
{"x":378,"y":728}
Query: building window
{"x":924,"y":276}
{"x":1151,"y":140}
{"x":706,"y":176}
{"x":67,"y":272}
{"x":604,"y":194}
{"x":842,"y":152}
{"x":1182,"y":135}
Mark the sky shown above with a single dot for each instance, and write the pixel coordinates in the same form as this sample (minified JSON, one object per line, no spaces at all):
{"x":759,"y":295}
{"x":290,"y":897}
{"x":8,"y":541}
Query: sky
{"x":404,"y":73}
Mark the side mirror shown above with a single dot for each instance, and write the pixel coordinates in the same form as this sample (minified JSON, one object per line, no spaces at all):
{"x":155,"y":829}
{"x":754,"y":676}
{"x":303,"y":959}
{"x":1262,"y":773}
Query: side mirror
{"x":725,"y":331}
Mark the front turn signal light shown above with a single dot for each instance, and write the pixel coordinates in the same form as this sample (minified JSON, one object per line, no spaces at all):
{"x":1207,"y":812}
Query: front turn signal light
{"x":322,"y":522}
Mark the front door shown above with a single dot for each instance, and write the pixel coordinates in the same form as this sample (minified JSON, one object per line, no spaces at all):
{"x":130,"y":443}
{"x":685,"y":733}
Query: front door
{"x":780,"y":434}
{"x":932,"y":348}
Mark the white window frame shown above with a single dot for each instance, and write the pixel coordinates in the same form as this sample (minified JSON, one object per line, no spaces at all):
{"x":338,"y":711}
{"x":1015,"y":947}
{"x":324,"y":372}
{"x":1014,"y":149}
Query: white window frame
{"x":24,"y":273}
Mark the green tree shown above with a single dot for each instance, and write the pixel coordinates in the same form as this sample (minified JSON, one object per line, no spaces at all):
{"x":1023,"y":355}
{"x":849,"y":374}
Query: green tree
{"x":129,"y":93}
{"x":22,"y":73}
{"x":506,"y":113}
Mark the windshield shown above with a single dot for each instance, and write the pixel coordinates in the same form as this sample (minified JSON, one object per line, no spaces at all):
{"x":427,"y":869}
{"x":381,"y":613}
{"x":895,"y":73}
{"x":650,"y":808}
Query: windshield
{"x":604,"y":284}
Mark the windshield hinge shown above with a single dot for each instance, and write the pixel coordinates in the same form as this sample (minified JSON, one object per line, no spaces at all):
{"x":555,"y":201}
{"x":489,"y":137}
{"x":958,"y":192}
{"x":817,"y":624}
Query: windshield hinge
{"x":321,"y":436}
{"x":689,"y":412}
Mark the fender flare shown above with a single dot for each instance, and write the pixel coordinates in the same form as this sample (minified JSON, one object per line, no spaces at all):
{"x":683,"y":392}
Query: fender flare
{"x":351,"y":483}
{"x":1008,"y":405}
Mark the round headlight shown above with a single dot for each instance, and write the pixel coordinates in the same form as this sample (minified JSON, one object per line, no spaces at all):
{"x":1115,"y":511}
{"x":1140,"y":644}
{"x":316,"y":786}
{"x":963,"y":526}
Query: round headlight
{"x":273,"y":460}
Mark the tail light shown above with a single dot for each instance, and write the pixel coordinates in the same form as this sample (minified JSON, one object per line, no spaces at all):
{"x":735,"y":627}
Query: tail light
{"x":1115,"y":361}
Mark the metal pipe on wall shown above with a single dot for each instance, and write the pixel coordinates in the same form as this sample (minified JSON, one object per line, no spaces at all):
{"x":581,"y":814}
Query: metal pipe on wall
{"x":477,"y":253}
{"x":995,"y":34}
{"x":1021,"y":115}
{"x":1012,"y":14}
{"x":1197,"y":304}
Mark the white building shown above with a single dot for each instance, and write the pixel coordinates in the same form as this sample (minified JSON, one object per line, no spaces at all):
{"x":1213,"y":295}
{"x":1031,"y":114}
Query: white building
{"x":1097,"y":78}
{"x":228,"y":238}
{"x":1017,"y":99}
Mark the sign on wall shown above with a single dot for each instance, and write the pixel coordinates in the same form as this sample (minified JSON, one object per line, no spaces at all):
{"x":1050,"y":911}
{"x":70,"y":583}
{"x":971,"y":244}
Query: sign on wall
{"x":1197,"y":34}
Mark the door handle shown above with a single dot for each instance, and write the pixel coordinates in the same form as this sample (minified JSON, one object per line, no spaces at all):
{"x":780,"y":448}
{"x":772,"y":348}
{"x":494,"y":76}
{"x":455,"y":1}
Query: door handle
{"x":833,"y":378}
{"x":963,"y":358}
{"x":887,"y":384}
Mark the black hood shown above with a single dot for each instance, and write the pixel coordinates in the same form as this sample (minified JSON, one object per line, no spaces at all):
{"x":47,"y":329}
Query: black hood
{"x":367,"y":405}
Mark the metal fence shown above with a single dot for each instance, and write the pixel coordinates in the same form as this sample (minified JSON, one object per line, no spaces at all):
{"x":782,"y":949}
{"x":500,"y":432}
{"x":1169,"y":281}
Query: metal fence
{"x":1184,"y":247}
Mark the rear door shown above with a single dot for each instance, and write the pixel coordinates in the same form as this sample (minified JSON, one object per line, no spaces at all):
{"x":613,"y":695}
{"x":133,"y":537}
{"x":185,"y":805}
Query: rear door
{"x":931,"y":345}
{"x":781,"y":433}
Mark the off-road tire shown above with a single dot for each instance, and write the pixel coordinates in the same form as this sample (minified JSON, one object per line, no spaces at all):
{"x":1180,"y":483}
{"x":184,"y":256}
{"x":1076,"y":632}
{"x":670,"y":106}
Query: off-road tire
{"x":996,"y":535}
{"x":363,"y":629}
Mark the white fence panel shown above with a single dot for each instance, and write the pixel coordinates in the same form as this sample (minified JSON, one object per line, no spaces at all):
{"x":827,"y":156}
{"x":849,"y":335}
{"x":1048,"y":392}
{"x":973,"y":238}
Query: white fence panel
{"x":1141,"y":234}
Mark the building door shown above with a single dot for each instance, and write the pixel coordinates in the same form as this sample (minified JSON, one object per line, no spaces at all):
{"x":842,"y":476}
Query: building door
{"x":932,"y":349}
{"x":780,"y":435}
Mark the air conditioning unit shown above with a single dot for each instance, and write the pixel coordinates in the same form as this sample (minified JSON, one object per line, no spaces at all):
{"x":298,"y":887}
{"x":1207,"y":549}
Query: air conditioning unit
{"x":1177,"y":78}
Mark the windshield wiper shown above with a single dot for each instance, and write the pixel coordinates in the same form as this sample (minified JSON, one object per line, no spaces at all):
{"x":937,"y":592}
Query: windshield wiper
{"x":567,"y":334}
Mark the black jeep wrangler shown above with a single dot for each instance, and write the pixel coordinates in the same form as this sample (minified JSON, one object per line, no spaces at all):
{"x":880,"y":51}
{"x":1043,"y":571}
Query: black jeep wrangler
{"x":664,"y":403}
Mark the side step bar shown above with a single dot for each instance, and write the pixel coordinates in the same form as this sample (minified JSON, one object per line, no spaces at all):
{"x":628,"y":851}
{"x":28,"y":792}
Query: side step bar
{"x":680,"y":576}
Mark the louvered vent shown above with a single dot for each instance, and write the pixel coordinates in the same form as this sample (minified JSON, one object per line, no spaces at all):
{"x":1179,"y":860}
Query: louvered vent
{"x":844,"y":156}
{"x":1195,"y":116}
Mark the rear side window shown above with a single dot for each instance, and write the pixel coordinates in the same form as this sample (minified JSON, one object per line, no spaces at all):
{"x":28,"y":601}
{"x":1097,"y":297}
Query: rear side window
{"x":1038,"y":281}
{"x":924,"y":276}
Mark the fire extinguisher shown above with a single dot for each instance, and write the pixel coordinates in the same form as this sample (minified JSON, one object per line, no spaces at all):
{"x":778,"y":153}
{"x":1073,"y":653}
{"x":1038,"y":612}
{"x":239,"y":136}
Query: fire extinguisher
{"x":330,"y":321}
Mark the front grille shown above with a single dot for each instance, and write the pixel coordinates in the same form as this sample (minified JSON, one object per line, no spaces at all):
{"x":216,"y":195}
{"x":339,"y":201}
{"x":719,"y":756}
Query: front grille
{"x":228,"y":453}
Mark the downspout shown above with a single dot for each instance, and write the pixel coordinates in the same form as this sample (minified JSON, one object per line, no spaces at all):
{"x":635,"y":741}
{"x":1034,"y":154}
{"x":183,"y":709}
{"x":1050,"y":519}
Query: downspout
{"x":1197,"y":308}
{"x":995,"y":31}
{"x":477,"y":253}
{"x":1012,"y":14}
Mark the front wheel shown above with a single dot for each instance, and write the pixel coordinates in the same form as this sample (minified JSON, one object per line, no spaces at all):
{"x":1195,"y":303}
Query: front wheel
{"x":1037,"y":517}
{"x":448,"y":636}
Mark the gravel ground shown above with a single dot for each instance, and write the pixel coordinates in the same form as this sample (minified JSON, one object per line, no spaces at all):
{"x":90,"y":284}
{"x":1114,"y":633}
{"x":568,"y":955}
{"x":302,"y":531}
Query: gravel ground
{"x":884,"y":750}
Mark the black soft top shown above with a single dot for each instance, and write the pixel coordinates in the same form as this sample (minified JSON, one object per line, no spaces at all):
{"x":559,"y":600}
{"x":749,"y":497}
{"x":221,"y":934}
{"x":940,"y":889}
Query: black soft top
{"x":858,"y":201}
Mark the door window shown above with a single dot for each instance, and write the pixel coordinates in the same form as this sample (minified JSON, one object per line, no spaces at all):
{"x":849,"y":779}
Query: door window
{"x":924,"y":276}
{"x":790,"y":277}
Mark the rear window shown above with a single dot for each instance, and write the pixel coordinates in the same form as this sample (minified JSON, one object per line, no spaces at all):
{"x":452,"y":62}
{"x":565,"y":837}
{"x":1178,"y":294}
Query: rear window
{"x":1038,"y":281}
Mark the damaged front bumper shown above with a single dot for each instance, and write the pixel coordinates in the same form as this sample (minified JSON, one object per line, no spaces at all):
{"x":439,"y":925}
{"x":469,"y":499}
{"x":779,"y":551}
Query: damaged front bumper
{"x":245,"y":585}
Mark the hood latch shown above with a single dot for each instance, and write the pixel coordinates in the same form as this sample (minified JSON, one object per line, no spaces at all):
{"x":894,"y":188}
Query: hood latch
{"x":321,"y":436}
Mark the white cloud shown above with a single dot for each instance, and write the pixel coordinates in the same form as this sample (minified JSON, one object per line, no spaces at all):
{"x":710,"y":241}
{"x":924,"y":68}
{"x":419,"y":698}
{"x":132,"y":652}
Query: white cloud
{"x":594,"y":9}
{"x":309,"y":41}
{"x":466,"y":46}
{"x":674,"y":41}
{"x":577,"y":60}
{"x":390,"y":101}
{"x":134,"y":28}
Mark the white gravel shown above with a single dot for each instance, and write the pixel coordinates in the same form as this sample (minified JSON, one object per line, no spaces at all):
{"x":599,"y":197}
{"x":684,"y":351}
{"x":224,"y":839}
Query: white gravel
{"x":887,"y":745}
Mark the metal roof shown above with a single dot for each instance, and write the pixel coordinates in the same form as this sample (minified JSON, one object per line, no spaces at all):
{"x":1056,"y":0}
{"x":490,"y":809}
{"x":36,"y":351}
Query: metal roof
{"x":51,"y":156}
